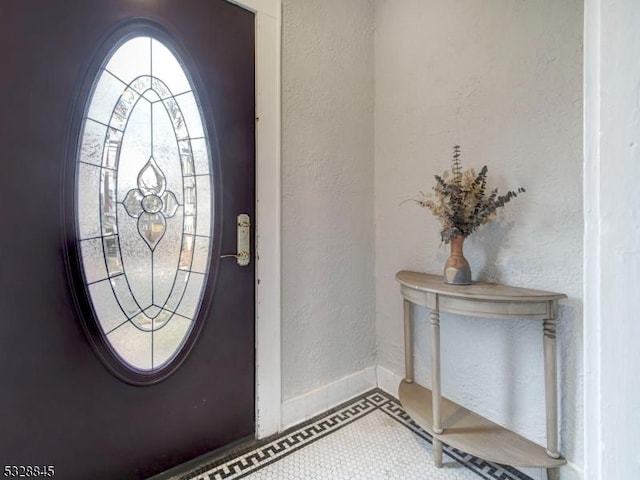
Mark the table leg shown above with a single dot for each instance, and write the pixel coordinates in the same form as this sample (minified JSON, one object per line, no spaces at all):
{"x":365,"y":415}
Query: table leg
{"x":408,"y":343}
{"x":550,"y":384}
{"x":435,"y":382}
{"x":435,"y":367}
{"x":437,"y":452}
{"x":553,"y":474}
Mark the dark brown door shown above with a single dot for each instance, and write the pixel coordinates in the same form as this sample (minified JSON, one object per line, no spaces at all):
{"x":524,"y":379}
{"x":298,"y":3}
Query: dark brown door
{"x":60,"y":405}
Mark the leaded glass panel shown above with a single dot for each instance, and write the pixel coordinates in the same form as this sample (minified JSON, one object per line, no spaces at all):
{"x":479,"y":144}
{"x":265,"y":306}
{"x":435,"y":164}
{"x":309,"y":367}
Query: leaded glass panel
{"x":106,"y":95}
{"x":191,"y":114}
{"x":92,"y":142}
{"x":108,"y":310}
{"x":131,"y":59}
{"x":134,"y":346}
{"x":167,"y":340}
{"x":88,"y":194}
{"x":200,"y":156}
{"x":168,"y":70}
{"x":94,"y":266}
{"x":144,"y":203}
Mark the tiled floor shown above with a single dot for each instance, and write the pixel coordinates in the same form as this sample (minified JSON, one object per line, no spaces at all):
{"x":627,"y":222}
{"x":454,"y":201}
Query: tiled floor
{"x":369,"y":438}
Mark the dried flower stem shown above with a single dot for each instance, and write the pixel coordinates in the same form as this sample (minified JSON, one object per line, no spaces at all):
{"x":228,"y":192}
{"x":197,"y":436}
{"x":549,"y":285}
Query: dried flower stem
{"x":460,"y":202}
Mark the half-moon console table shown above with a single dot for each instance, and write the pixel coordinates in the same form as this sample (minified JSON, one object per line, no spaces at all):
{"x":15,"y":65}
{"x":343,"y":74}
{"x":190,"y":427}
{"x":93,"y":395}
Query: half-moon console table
{"x":451,"y":423}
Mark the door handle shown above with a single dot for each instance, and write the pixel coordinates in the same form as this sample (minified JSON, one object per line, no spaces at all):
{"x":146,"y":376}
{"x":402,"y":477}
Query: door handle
{"x":243,"y":257}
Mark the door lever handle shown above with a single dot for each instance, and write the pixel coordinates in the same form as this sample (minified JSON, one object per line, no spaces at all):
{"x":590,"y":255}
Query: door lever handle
{"x":243,"y":257}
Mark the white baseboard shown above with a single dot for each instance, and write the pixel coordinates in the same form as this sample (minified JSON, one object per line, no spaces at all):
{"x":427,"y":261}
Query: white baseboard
{"x":535,"y":473}
{"x":308,"y":405}
{"x":571,"y":471}
{"x":388,"y":381}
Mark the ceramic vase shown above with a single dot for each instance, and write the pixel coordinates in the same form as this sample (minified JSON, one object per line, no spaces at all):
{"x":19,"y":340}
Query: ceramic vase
{"x":457,"y":270}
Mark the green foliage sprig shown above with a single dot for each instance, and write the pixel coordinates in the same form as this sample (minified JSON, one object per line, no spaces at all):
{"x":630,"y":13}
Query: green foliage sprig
{"x":460,"y":200}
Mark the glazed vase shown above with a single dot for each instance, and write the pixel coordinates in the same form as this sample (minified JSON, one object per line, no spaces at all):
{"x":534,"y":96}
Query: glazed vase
{"x":457,"y":270}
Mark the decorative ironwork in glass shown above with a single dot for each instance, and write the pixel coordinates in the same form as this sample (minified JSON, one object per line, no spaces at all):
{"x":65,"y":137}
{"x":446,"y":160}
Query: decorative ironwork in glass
{"x":144,"y":204}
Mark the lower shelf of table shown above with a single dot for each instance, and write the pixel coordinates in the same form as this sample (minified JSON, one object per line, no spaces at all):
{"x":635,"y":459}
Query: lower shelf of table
{"x":472,"y":433}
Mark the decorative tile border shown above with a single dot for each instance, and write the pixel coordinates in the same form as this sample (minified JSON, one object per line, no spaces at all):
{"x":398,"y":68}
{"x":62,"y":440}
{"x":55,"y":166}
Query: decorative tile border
{"x":241,"y":463}
{"x":483,"y":468}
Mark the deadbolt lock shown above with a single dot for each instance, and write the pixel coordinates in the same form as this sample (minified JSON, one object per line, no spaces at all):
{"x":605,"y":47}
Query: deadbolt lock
{"x":243,"y":257}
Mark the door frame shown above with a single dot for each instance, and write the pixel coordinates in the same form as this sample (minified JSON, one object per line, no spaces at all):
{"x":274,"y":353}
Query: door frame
{"x":268,"y":401}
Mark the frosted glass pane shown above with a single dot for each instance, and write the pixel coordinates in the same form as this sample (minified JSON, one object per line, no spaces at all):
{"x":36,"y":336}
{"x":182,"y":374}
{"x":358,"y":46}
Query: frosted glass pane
{"x":108,"y":202}
{"x":93,"y":137}
{"x":177,"y":118}
{"x":189,"y":195}
{"x":203,"y":214}
{"x":190,"y":224}
{"x":132,"y":345}
{"x":169,"y":204}
{"x":143,"y":322}
{"x":191,"y":114}
{"x":186,"y":157}
{"x":136,"y":258}
{"x":135,"y":150}
{"x":133,"y":203}
{"x":191,"y":300}
{"x":167,"y":340}
{"x":151,"y":96}
{"x":200,"y":255}
{"x":152,"y":319}
{"x":125,"y":104}
{"x":165,"y":259}
{"x":106,"y":307}
{"x":131,"y":59}
{"x":112,"y":256}
{"x":166,"y":67}
{"x":124,"y":296}
{"x":165,"y":148}
{"x":200,"y":156}
{"x":88,"y":200}
{"x":151,"y":227}
{"x":178,"y":290}
{"x":160,"y":88}
{"x":141,"y":84}
{"x":106,"y":95}
{"x":186,"y":255}
{"x":152,"y":311}
{"x":112,"y":148}
{"x":151,"y":179}
{"x":152,"y":204}
{"x":93,"y":260}
{"x":162,"y":318}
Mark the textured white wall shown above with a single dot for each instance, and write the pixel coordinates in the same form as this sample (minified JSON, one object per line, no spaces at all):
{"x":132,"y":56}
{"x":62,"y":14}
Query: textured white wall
{"x":612,"y":255}
{"x":503,"y":80}
{"x":327,"y":201}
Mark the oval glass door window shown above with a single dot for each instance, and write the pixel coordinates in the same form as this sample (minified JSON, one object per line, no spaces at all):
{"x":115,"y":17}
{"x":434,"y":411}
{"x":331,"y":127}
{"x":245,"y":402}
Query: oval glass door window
{"x":144,"y":203}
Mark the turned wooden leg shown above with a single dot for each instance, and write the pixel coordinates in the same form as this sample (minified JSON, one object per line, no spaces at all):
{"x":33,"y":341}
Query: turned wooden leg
{"x":435,"y":383}
{"x":550,"y":385}
{"x":437,"y":452}
{"x":408,"y":343}
{"x":553,"y":474}
{"x":435,"y":368}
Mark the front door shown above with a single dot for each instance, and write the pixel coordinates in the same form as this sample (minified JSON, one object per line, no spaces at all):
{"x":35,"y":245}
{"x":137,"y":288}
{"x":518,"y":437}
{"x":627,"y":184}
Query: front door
{"x":79,"y":396}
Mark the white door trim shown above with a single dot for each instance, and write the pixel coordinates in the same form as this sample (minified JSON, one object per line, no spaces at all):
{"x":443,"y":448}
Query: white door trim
{"x":268,"y":199}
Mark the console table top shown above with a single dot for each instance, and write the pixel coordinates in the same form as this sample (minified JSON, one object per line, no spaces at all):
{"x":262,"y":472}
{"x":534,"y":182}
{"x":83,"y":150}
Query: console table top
{"x":427,"y":282}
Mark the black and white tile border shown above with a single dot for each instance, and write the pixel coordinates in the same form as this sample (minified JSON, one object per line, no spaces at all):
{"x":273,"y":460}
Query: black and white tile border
{"x":483,"y":468}
{"x":242,"y":463}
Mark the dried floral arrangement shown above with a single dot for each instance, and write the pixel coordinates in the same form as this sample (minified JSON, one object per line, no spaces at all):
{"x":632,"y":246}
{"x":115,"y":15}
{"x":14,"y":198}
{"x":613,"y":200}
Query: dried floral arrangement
{"x":460,"y":199}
